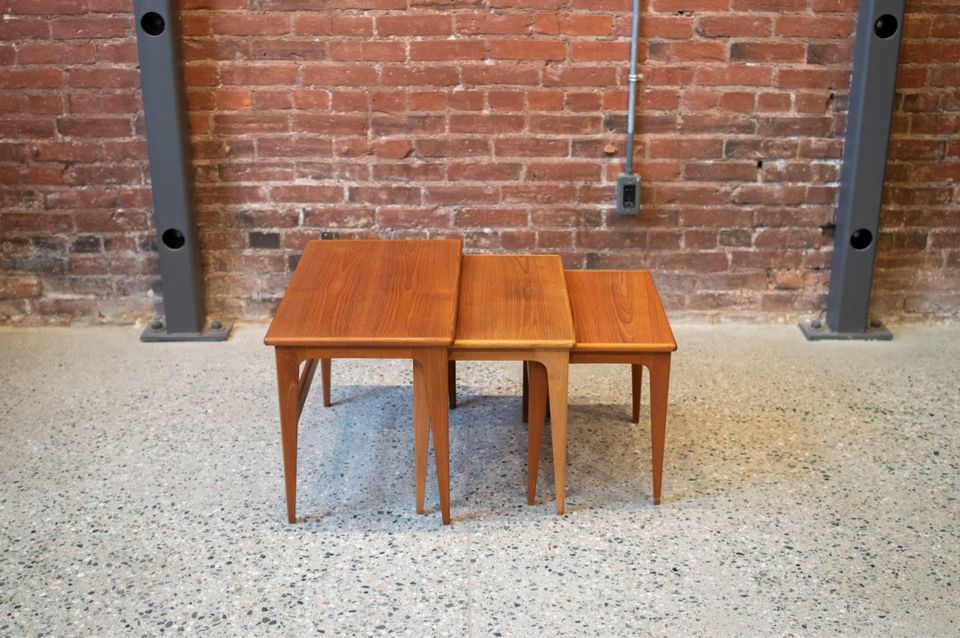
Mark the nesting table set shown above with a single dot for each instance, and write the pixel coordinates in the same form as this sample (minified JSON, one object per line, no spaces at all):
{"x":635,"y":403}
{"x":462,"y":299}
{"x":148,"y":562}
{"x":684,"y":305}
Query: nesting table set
{"x":424,"y":300}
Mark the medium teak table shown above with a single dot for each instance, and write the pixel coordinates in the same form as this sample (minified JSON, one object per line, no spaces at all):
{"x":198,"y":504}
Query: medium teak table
{"x":370,"y":299}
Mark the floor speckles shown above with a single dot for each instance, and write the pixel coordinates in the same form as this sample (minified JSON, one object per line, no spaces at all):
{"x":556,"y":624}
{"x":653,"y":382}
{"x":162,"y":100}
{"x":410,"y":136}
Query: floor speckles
{"x":809,"y":489}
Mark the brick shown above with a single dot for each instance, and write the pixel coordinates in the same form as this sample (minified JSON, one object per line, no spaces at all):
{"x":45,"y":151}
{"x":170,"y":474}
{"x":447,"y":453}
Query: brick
{"x":526,"y":4}
{"x":19,"y":286}
{"x":493,"y":24}
{"x":257,"y":239}
{"x":688,"y":51}
{"x":339,"y":75}
{"x":491,"y":217}
{"x":531,"y":147}
{"x":563,"y":172}
{"x":769,"y":5}
{"x":670,"y":6}
{"x":573,"y":24}
{"x":414,"y":25}
{"x":579,"y":102}
{"x":332,"y":25}
{"x":734,"y":75}
{"x":307,"y":194}
{"x":739,"y":26}
{"x":459,"y":194}
{"x":56,"y":53}
{"x":545,"y":100}
{"x":15,"y":78}
{"x":685,"y":148}
{"x":830,"y":53}
{"x":565,"y":124}
{"x":500,"y":73}
{"x":367,"y":51}
{"x":813,"y":79}
{"x":506,"y":100}
{"x":820,"y":26}
{"x":384,"y":195}
{"x":91,"y":27}
{"x":484,"y":171}
{"x":94,"y":127}
{"x":538,"y":193}
{"x":394,"y":149}
{"x":599,"y":51}
{"x":234,"y":123}
{"x":447,"y":50}
{"x":383,"y":125}
{"x":767,"y":52}
{"x":413,"y":217}
{"x":466,"y":100}
{"x":578,"y":76}
{"x":428,"y":101}
{"x":409,"y":172}
{"x":247,"y":24}
{"x":103,"y":78}
{"x":527,"y":50}
{"x":486,"y":124}
{"x":282,"y":49}
{"x":663,"y":27}
{"x":452,"y":147}
{"x":419,"y":76}
{"x":244,"y":74}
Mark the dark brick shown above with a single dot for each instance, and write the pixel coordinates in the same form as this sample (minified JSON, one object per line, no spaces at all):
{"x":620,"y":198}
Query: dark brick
{"x":735,"y":237}
{"x":263,"y":240}
{"x":86,"y":244}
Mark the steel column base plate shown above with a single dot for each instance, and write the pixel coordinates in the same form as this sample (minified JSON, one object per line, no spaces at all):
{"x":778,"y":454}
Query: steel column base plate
{"x":818,"y":330}
{"x":214,"y":331}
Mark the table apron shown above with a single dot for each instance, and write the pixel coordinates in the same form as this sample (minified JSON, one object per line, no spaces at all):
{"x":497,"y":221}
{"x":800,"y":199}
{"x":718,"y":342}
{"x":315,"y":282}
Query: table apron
{"x":306,"y":353}
{"x":642,"y":358}
{"x":498,"y":354}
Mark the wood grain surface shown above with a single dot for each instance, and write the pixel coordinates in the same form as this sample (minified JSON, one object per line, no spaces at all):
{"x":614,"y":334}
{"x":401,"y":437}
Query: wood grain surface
{"x":513,"y":301}
{"x":370,"y":293}
{"x":616,"y":310}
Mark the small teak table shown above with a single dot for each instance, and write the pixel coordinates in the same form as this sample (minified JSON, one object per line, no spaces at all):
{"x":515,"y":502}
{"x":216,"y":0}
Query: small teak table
{"x":370,"y":299}
{"x":515,"y":308}
{"x":619,"y":319}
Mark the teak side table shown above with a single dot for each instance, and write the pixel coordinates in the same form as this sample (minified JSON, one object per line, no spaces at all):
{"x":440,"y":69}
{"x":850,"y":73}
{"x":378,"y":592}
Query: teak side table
{"x":515,"y":308}
{"x":619,"y":319}
{"x":370,"y":299}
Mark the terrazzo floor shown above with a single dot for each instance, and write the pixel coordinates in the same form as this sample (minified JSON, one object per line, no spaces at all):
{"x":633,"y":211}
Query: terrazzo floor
{"x":810,"y":489}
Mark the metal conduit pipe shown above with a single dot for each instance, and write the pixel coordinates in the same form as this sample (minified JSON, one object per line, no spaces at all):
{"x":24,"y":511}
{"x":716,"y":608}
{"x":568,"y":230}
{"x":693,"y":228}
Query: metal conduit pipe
{"x":628,"y":184}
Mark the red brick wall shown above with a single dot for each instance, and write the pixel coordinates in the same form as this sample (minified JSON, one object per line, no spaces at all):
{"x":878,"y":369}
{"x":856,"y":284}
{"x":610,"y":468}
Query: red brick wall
{"x":500,"y":121}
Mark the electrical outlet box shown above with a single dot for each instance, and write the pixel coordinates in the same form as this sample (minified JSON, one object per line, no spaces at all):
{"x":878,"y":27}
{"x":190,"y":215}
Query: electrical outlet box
{"x":628,"y":194}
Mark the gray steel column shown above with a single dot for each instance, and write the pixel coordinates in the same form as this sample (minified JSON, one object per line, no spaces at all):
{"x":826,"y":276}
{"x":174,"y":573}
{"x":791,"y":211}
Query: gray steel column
{"x":165,"y":114}
{"x":872,"y":91}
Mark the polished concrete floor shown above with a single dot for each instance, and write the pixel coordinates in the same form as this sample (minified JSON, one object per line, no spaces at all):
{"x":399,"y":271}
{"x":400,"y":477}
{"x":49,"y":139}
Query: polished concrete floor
{"x":810,"y":489}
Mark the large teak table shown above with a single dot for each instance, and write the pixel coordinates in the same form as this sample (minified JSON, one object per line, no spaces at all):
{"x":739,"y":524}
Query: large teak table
{"x":371,"y":299}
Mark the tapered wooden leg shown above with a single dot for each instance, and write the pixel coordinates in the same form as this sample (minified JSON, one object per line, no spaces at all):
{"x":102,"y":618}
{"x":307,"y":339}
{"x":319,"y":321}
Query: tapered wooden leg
{"x":537,"y":404}
{"x":659,"y":390}
{"x":557,"y":365}
{"x":288,"y":387}
{"x":325,"y":378}
{"x":421,"y":432}
{"x":636,"y":378}
{"x":434,"y":362}
{"x":525,"y":406}
{"x":452,"y":382}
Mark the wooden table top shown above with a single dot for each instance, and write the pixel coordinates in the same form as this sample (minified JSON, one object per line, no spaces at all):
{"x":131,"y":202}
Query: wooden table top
{"x":629,"y":297}
{"x":370,"y":293}
{"x":513,"y":301}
